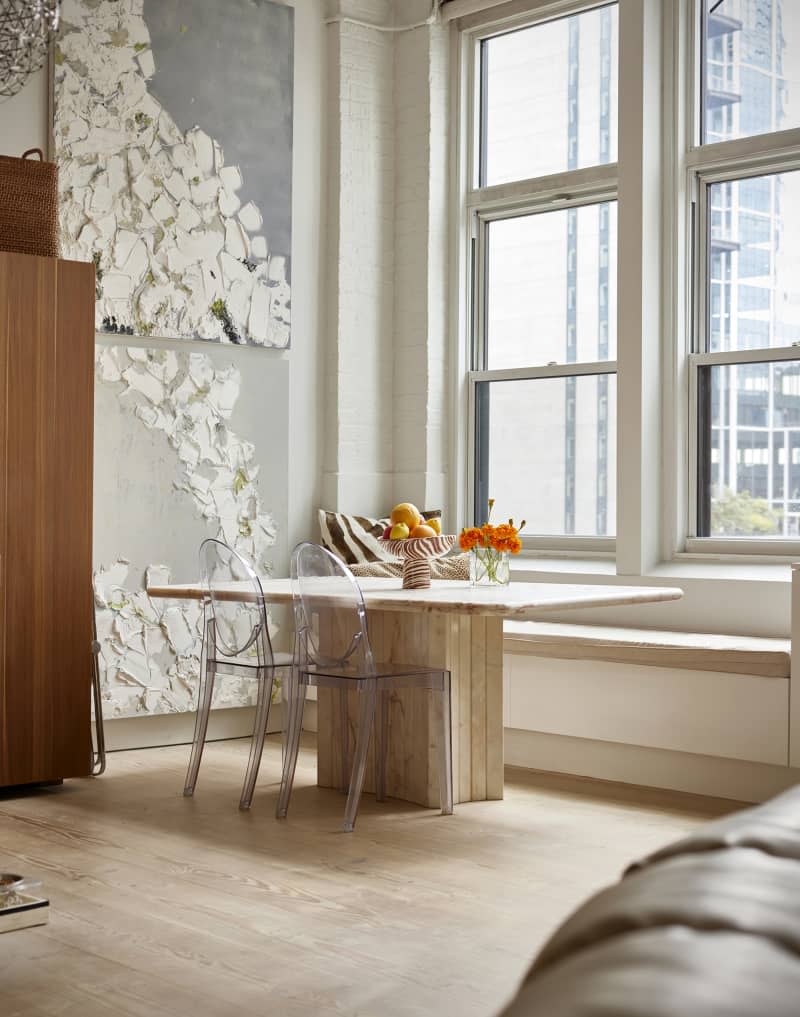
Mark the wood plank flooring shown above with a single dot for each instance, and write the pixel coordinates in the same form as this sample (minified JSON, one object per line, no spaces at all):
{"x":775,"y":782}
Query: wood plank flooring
{"x":169,"y":907}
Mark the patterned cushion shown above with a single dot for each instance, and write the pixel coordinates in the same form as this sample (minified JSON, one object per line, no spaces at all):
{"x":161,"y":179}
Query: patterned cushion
{"x":454,"y":567}
{"x":376,"y":569}
{"x":354,"y":539}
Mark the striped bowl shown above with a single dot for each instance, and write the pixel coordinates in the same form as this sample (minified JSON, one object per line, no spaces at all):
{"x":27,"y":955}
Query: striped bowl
{"x":420,"y":547}
{"x":416,"y":554}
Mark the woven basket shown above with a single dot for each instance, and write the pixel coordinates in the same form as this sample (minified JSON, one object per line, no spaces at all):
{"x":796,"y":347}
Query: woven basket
{"x":29,"y":205}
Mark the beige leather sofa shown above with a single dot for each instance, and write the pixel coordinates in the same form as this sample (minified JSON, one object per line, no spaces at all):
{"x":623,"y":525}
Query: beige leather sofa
{"x":706,"y":927}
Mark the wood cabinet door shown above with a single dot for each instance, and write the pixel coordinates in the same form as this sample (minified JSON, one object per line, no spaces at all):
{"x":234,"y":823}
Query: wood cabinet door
{"x":47,"y":315}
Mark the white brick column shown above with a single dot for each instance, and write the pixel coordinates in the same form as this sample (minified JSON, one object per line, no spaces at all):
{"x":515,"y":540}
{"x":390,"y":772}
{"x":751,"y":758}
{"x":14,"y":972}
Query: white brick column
{"x":357,"y":470}
{"x":386,"y":408}
{"x":420,"y":429}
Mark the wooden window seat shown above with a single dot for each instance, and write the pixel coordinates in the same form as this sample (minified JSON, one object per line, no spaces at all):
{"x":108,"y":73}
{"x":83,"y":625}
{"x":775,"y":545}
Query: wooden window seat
{"x":693,"y":651}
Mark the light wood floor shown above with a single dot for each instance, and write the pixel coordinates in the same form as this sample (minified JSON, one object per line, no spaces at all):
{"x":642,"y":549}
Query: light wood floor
{"x":162,"y":905}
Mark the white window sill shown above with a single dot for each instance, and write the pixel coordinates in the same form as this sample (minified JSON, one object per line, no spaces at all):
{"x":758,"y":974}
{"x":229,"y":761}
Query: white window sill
{"x":533,"y":568}
{"x":689,"y":567}
{"x":536,"y":569}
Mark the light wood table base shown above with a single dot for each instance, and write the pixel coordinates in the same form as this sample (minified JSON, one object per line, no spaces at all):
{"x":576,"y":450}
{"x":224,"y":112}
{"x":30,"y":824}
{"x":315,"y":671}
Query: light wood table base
{"x":471,"y":648}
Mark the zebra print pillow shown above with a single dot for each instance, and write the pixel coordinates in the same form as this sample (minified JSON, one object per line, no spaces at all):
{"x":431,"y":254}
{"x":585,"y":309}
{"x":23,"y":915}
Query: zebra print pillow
{"x":354,"y":539}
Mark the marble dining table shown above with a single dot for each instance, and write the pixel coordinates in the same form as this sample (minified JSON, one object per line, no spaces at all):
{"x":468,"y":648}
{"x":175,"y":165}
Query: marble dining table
{"x":453,"y":626}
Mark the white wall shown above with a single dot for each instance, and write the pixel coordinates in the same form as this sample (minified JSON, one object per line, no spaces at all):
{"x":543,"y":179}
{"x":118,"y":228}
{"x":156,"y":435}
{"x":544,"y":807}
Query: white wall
{"x":23,"y":118}
{"x":308,"y":272}
{"x":387,"y":420}
{"x":421,"y":418}
{"x":360,"y":244}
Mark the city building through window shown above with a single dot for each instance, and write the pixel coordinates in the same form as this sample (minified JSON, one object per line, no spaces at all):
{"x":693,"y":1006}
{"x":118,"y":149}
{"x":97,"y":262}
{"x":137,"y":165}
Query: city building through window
{"x":747,"y":368}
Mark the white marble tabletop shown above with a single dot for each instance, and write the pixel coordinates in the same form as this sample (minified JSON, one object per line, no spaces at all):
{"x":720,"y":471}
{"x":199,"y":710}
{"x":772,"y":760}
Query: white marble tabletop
{"x":518,"y":600}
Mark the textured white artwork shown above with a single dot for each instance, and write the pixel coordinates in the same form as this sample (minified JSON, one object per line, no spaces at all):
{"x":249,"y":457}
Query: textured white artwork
{"x":150,"y":649}
{"x":159,"y":211}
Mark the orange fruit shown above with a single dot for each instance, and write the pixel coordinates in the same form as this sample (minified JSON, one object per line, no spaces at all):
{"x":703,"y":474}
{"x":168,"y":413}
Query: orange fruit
{"x":423,"y":530}
{"x":406,"y":513}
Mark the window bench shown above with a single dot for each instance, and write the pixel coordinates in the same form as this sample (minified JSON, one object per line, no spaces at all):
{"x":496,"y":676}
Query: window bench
{"x":753,"y":655}
{"x":709,"y":695}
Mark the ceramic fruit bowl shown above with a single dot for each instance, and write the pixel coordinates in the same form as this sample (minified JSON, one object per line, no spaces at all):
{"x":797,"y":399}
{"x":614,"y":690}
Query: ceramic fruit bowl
{"x":416,"y":554}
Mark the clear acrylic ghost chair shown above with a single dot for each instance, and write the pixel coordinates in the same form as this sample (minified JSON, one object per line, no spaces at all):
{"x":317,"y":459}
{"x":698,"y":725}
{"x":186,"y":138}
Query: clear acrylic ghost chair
{"x":235,"y":642}
{"x":332,"y":650}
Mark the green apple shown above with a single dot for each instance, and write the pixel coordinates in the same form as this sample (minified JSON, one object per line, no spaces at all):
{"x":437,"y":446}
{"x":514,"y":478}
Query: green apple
{"x":399,"y":531}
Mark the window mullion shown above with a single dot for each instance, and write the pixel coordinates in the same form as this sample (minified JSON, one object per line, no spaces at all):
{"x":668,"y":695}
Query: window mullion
{"x":563,"y":370}
{"x":765,"y":355}
{"x":482,"y":54}
{"x":639,"y":481}
{"x":700,"y":240}
{"x":479,"y":286}
{"x":693,"y":458}
{"x":753,"y":151}
{"x":581,"y":185}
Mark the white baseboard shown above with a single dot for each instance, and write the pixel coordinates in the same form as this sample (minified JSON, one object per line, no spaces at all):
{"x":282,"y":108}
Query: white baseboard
{"x":178,"y":728}
{"x":582,"y":757}
{"x":648,"y":767}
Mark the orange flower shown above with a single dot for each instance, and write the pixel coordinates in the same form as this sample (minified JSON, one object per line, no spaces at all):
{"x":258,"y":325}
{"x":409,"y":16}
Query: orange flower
{"x":470,"y":538}
{"x":503,"y":537}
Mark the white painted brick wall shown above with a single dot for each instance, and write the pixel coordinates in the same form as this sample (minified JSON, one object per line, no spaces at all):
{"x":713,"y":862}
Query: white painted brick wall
{"x":358,"y":450}
{"x":421,"y":244}
{"x":386,"y":386}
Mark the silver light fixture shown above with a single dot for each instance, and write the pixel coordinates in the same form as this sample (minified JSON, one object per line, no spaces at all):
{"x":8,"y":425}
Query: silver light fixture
{"x":26,"y":28}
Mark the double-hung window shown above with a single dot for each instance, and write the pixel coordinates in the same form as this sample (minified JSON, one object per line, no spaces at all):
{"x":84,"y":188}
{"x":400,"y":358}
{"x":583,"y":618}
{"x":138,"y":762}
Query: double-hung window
{"x":542,"y":215}
{"x":744,"y":183}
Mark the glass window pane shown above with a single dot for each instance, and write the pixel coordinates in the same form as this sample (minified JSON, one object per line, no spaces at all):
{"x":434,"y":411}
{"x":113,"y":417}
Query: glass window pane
{"x":751,"y":482}
{"x":549,"y":453}
{"x":550,"y":97}
{"x":754,"y":262}
{"x":752,"y":67}
{"x":551,"y":287}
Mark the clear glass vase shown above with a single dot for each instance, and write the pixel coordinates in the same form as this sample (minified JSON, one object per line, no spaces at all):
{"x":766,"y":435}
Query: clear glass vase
{"x":488,"y":567}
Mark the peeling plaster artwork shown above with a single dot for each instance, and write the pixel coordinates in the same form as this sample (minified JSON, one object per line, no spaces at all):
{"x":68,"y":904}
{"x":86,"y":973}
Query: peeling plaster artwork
{"x":150,"y":649}
{"x":186,"y":242}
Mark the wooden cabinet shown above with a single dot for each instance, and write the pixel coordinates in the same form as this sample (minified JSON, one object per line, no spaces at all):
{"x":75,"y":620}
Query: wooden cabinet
{"x":46,"y":416}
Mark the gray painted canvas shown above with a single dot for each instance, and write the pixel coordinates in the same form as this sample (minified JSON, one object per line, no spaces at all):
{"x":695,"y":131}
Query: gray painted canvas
{"x":173,"y":133}
{"x":227,"y":67}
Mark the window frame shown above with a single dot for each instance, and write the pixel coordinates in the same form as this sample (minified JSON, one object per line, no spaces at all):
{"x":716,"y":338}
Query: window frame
{"x":703,"y":166}
{"x":486,"y":204}
{"x":656,"y":451}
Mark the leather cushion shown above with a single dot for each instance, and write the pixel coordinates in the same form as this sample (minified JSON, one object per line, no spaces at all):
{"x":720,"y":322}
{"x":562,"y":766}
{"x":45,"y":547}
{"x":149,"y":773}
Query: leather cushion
{"x":705,"y":927}
{"x":737,"y":888}
{"x":668,"y":972}
{"x":773,"y":827}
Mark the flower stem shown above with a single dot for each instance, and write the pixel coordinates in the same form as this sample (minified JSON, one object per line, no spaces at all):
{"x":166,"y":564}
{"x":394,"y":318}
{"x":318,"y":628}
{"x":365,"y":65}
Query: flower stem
{"x":491,"y":561}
